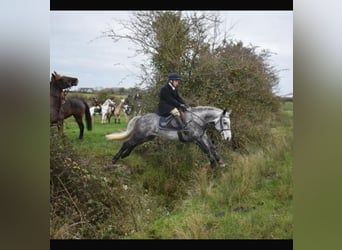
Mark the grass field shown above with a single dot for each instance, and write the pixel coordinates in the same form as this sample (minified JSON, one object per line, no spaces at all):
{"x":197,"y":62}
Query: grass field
{"x":94,"y":142}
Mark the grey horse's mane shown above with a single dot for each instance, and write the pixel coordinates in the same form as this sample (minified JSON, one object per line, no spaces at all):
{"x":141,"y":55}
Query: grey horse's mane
{"x":204,"y":108}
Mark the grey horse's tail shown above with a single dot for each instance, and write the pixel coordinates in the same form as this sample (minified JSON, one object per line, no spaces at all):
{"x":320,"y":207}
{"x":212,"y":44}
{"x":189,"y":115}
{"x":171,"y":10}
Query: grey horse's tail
{"x":124,"y":135}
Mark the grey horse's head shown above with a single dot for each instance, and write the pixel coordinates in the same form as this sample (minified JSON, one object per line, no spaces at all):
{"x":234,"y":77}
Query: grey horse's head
{"x":222,"y":124}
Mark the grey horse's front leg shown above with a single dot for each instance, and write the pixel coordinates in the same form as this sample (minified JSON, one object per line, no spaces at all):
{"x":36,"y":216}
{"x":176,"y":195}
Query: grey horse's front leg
{"x":216,"y":155}
{"x":205,"y":145}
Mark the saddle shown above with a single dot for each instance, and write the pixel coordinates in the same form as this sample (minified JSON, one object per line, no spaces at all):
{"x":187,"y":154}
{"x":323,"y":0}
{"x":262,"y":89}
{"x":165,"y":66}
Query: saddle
{"x":97,"y":109}
{"x":168,"y":122}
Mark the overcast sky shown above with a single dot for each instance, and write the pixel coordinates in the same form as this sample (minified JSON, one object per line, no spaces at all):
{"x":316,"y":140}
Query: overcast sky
{"x":101,"y":63}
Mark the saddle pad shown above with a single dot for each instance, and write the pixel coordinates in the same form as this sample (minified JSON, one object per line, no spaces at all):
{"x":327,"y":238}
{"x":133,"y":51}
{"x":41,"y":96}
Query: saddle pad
{"x":166,"y":123}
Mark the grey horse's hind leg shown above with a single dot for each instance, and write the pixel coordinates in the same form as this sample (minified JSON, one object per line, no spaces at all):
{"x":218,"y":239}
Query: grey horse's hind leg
{"x":119,"y":153}
{"x":128,"y":146}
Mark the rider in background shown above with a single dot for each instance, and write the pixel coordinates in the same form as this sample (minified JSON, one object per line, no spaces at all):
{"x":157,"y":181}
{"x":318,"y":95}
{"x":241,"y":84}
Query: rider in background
{"x":137,"y":103}
{"x":170,"y":102}
{"x":97,"y":105}
{"x":137,"y":96}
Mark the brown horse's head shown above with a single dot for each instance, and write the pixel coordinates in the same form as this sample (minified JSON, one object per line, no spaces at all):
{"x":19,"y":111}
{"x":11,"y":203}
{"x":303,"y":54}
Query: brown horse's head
{"x":62,"y":82}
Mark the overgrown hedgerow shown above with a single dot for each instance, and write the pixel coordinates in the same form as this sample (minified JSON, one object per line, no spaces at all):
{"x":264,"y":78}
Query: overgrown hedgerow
{"x":81,"y":200}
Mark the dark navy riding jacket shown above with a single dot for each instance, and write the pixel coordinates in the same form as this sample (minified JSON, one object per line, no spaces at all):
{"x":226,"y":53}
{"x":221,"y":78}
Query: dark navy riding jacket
{"x":168,"y":100}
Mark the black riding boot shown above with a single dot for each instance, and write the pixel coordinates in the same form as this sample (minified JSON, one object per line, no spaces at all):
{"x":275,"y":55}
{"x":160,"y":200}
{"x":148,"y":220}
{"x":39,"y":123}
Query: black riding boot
{"x":179,"y":121}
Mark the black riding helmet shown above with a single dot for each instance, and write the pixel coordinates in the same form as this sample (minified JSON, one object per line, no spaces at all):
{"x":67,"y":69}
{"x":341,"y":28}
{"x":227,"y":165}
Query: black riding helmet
{"x":173,"y":76}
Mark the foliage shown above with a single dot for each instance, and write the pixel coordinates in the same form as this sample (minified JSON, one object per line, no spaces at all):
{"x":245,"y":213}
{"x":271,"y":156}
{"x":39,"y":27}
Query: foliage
{"x":83,"y":200}
{"x":75,"y":193}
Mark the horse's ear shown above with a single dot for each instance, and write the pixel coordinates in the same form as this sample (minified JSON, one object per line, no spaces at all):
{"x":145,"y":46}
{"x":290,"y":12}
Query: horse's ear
{"x":56,"y":75}
{"x":229,"y":112}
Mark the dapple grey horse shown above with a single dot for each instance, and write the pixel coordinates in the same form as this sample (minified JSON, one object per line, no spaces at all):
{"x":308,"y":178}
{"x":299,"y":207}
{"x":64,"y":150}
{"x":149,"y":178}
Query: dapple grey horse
{"x":144,"y":128}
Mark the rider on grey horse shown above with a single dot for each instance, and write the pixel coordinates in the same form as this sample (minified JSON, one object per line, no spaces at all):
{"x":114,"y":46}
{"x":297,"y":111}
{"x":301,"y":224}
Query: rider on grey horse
{"x":170,"y":102}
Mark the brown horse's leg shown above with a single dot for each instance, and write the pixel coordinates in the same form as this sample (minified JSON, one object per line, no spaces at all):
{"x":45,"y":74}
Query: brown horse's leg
{"x":60,"y":122}
{"x":81,"y":126}
{"x":60,"y":127}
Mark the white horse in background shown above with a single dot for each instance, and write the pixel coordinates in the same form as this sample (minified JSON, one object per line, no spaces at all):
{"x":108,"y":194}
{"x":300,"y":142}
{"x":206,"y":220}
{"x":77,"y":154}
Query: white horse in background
{"x":107,"y":107}
{"x":95,"y":110}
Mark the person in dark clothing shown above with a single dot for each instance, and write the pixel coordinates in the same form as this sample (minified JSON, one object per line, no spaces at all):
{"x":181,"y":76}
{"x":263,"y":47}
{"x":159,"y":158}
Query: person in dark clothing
{"x":170,"y":101}
{"x":137,"y":96}
{"x":97,"y":105}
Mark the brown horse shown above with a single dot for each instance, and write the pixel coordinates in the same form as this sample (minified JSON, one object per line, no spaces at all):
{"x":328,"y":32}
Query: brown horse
{"x":57,"y":84}
{"x":77,"y":107}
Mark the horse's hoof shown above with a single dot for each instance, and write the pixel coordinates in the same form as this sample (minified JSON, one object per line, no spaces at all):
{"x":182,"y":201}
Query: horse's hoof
{"x":221,"y":164}
{"x":213,"y":168}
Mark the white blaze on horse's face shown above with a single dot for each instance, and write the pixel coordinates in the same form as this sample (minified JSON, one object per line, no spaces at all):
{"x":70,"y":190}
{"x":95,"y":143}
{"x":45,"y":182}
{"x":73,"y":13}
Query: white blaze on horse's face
{"x":222,"y":125}
{"x":226,"y":133}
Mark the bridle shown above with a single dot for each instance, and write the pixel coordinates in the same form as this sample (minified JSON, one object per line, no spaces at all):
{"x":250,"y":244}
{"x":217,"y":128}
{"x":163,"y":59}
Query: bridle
{"x":221,"y":125}
{"x":61,"y":96}
{"x":212,"y":123}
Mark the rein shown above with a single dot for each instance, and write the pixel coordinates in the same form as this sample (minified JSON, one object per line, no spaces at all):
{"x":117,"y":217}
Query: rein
{"x":66,"y":91}
{"x":204,"y":128}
